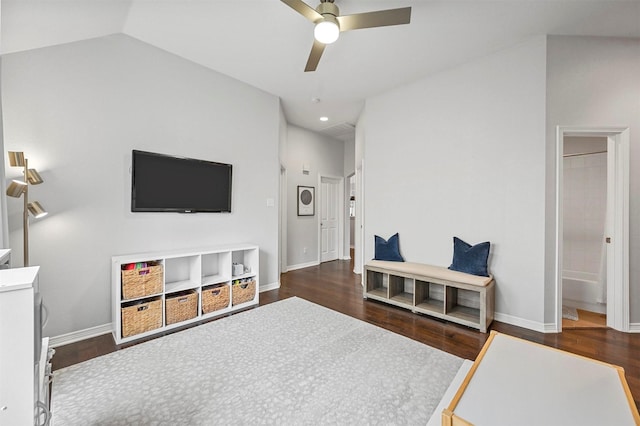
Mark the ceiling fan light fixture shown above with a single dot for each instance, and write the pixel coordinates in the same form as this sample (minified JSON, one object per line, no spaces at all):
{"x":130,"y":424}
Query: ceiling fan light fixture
{"x":327,"y":30}
{"x":329,"y":23}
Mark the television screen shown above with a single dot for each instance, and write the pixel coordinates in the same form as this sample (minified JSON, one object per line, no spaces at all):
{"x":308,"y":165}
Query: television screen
{"x":163,"y":183}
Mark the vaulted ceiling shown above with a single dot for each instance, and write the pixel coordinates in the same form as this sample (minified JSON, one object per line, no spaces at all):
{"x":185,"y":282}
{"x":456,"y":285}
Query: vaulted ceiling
{"x":266,"y":44}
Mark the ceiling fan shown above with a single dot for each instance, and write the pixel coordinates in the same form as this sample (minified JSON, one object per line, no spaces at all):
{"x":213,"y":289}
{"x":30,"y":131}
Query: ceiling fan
{"x":329,"y":23}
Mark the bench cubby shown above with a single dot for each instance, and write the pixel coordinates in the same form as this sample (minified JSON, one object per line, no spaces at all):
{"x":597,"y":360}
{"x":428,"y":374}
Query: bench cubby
{"x":377,"y":284}
{"x":401,"y":289}
{"x":432,"y":290}
{"x":429,"y":296}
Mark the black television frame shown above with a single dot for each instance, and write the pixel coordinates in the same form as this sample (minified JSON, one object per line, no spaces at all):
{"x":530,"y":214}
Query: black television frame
{"x":195,"y":209}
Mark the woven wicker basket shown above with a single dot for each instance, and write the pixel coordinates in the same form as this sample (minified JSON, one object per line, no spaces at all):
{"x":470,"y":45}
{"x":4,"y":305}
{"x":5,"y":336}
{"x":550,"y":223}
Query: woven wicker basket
{"x":141,"y":282}
{"x":243,"y":292}
{"x":181,"y":307}
{"x":141,"y":317}
{"x":215,"y":297}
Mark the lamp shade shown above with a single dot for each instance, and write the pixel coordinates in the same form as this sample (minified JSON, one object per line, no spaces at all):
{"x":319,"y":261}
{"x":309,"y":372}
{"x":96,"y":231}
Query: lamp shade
{"x":327,"y":30}
{"x":16,"y":158}
{"x":16,"y":188}
{"x":36,"y":209}
{"x":33,"y":177}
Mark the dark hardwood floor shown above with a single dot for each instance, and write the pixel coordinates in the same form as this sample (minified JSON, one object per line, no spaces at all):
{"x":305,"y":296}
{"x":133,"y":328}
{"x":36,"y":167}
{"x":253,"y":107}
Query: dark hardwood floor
{"x":335,"y":286}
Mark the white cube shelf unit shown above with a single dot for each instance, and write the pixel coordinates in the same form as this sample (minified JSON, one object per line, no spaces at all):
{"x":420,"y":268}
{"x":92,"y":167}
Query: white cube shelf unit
{"x":174,"y":274}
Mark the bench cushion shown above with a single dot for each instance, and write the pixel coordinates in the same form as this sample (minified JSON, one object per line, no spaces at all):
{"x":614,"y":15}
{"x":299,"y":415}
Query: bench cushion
{"x":438,"y":272}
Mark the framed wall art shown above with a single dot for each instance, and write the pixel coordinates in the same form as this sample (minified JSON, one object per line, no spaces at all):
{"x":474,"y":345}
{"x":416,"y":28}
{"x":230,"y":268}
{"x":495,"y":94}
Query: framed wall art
{"x":306,"y":200}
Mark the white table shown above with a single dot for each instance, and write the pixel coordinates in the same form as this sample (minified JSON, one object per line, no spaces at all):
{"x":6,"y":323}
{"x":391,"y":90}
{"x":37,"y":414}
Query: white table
{"x":514,"y":381}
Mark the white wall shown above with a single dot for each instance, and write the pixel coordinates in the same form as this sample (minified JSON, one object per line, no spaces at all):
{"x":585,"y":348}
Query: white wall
{"x":4,"y":222}
{"x":360,"y":195}
{"x":349,"y":170}
{"x":349,"y":157}
{"x":28,"y":23}
{"x":77,"y":111}
{"x":282,"y":204}
{"x":325,"y":156}
{"x":584,"y":144}
{"x":282,"y":141}
{"x":462,"y":154}
{"x":593,"y":81}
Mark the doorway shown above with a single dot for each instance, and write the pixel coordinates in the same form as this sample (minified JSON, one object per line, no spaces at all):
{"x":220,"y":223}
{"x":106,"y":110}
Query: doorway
{"x":331,"y":223}
{"x":612,"y":266}
{"x":584,"y":298}
{"x":350,"y":230}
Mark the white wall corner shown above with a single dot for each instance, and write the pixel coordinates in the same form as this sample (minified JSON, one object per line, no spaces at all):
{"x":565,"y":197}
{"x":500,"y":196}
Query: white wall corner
{"x":525,"y":323}
{"x":270,"y":286}
{"x":550,"y":327}
{"x":634,"y":327}
{"x":76,"y":336}
{"x":303,"y":265}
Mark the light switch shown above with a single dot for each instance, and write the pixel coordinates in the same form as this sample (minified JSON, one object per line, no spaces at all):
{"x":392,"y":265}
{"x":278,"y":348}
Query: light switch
{"x":270,"y":202}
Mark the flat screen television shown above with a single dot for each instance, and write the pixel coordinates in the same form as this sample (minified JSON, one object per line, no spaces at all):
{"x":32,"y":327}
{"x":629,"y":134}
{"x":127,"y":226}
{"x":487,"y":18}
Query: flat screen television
{"x":164,"y":183}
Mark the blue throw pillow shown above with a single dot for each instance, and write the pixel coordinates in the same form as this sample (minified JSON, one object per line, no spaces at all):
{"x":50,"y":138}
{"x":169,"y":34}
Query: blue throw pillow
{"x":388,"y":250}
{"x":470,"y":259}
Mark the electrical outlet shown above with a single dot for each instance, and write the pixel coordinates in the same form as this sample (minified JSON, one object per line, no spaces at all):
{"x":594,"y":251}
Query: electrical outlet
{"x":304,"y":250}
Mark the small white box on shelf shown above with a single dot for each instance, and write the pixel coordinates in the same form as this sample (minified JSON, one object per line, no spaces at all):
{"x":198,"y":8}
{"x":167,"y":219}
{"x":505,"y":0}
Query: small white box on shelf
{"x":238,"y":269}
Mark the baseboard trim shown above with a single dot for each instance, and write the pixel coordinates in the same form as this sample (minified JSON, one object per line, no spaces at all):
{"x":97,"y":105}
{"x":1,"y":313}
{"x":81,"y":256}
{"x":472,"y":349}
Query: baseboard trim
{"x":76,"y":336}
{"x":269,"y":287}
{"x":634,"y":327}
{"x":87,"y":333}
{"x":302,"y":265}
{"x":525,"y":323}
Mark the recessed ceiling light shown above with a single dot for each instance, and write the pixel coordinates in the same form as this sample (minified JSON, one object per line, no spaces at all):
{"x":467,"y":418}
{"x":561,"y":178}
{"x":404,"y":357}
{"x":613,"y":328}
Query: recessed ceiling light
{"x":324,"y":118}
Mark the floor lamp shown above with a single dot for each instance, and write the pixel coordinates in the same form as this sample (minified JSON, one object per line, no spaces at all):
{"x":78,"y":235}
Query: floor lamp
{"x":18,"y":188}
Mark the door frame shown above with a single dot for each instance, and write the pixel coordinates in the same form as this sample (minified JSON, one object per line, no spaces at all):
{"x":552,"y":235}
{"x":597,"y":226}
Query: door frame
{"x":347,"y":217}
{"x":618,"y":224}
{"x":282,"y":235}
{"x":358,"y":263}
{"x":339,"y":180}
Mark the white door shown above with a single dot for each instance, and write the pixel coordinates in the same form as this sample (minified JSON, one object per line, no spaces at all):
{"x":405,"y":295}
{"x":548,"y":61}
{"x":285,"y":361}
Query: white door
{"x":329,"y":219}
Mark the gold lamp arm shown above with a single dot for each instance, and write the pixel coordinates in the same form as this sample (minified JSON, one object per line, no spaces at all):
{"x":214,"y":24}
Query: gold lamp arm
{"x":21,"y":189}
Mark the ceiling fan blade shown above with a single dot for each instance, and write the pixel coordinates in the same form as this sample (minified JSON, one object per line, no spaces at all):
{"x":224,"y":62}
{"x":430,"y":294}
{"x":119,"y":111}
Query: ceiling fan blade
{"x":314,"y":56}
{"x":381,"y":18}
{"x":303,"y":9}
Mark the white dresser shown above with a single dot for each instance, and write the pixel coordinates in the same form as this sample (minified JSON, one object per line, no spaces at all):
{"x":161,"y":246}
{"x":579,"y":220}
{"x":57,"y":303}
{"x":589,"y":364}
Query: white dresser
{"x":23,"y":356}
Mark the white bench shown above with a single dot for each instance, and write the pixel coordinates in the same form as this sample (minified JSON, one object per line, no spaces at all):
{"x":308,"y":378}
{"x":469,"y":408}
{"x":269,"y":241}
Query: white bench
{"x":433,"y":290}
